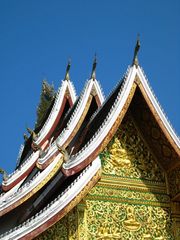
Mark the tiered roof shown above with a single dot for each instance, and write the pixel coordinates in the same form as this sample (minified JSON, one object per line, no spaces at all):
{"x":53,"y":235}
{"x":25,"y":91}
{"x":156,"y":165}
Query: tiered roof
{"x":66,"y":163}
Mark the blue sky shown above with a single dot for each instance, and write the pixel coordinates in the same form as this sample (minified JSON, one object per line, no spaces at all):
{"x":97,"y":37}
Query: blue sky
{"x":37,"y":37}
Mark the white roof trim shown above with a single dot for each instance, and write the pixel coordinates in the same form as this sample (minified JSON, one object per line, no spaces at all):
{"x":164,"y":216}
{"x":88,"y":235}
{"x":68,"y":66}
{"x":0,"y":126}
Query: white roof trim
{"x":66,"y":85}
{"x":21,"y":169}
{"x":29,"y":186}
{"x":96,"y":140}
{"x":57,"y":205}
{"x":91,"y":85}
{"x":157,"y":106}
{"x":106,"y":125}
{"x":5,"y":195}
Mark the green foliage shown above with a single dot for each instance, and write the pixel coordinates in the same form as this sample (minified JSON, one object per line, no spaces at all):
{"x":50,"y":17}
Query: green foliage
{"x":46,"y":98}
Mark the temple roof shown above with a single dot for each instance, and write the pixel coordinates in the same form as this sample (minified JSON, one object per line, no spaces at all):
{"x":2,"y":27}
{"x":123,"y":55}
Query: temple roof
{"x":70,"y":165}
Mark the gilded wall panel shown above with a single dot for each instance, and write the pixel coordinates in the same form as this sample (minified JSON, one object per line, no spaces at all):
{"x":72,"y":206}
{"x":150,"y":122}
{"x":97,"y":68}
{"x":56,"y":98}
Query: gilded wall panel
{"x":128,"y":156}
{"x":125,"y":195}
{"x":111,"y":220}
{"x":129,"y":202}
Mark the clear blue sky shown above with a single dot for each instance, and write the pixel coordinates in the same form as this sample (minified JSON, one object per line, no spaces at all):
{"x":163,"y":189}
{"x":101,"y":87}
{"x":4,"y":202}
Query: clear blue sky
{"x":38,"y":36}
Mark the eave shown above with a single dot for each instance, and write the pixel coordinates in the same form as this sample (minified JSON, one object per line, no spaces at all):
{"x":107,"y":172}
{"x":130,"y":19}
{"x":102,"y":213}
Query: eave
{"x":135,"y":78}
{"x":157,"y":111}
{"x":65,"y":93}
{"x":60,"y":206}
{"x":92,"y":89}
{"x":25,"y":192}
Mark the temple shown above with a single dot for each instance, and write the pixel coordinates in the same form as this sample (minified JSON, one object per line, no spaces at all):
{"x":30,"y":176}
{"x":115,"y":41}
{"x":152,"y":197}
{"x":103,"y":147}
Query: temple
{"x":95,"y":167}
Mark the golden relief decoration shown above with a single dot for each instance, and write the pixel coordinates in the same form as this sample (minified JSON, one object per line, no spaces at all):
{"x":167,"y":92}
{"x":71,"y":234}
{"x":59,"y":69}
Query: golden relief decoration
{"x":125,"y":195}
{"x":82,"y":221}
{"x":111,"y":220}
{"x":130,"y":223}
{"x":128,"y":156}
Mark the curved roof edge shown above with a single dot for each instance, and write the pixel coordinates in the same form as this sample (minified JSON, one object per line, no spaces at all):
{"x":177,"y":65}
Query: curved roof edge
{"x":66,"y":88}
{"x":54,"y":211}
{"x":21,"y":171}
{"x":11,"y":201}
{"x":92,"y":88}
{"x":109,"y":126}
{"x":158,"y":109}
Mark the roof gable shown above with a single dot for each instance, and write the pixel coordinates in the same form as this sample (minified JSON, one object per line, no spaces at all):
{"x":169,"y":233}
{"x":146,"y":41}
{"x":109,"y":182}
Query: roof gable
{"x":134,"y":79}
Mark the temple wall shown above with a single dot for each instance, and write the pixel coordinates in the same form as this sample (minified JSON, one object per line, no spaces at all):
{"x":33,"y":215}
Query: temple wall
{"x":130,"y":201}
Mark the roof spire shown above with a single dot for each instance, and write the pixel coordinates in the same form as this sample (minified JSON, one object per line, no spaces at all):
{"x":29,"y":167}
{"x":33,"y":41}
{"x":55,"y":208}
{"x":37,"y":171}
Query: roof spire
{"x":34,"y":135}
{"x":67,"y":77}
{"x":136,"y":50}
{"x":93,"y":74}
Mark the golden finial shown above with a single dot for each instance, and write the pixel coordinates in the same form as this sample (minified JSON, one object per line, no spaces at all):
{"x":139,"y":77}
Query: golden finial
{"x":64,"y":152}
{"x":30,"y":131}
{"x":136,"y":50}
{"x":67,"y":77}
{"x":93,"y":74}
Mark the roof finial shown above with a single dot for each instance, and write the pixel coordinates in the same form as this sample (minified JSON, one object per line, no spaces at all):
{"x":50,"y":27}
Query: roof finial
{"x":93,"y":74}
{"x":33,"y":134}
{"x":67,"y":77}
{"x":136,"y":50}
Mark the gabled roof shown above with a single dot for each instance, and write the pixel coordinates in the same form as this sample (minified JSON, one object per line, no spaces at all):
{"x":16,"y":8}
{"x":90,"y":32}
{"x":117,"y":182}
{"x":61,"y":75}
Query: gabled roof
{"x":11,"y":201}
{"x":91,"y":89}
{"x":100,"y":129}
{"x":54,"y":211}
{"x":134,"y":78}
{"x":66,"y":92}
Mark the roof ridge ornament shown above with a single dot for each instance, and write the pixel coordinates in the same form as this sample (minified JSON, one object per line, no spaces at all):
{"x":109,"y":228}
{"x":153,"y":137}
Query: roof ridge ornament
{"x":32,"y":133}
{"x":64,"y":152}
{"x":93,"y":74}
{"x":67,"y":77}
{"x":136,"y":50}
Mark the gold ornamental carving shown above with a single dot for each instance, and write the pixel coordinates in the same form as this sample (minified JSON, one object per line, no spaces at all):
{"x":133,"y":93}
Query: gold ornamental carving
{"x":107,"y":220}
{"x":130,"y":223}
{"x":128,"y":156}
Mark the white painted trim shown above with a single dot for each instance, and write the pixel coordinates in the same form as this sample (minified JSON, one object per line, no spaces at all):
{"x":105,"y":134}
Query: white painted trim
{"x":4,"y":196}
{"x":66,"y":85}
{"x":22,"y":168}
{"x":62,"y":138}
{"x":29,"y":186}
{"x":157,"y":106}
{"x":106,"y":125}
{"x":113,"y":114}
{"x":57,"y":205}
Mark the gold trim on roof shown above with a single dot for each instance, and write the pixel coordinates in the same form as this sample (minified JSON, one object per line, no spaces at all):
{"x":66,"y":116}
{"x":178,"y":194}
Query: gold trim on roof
{"x":34,"y":190}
